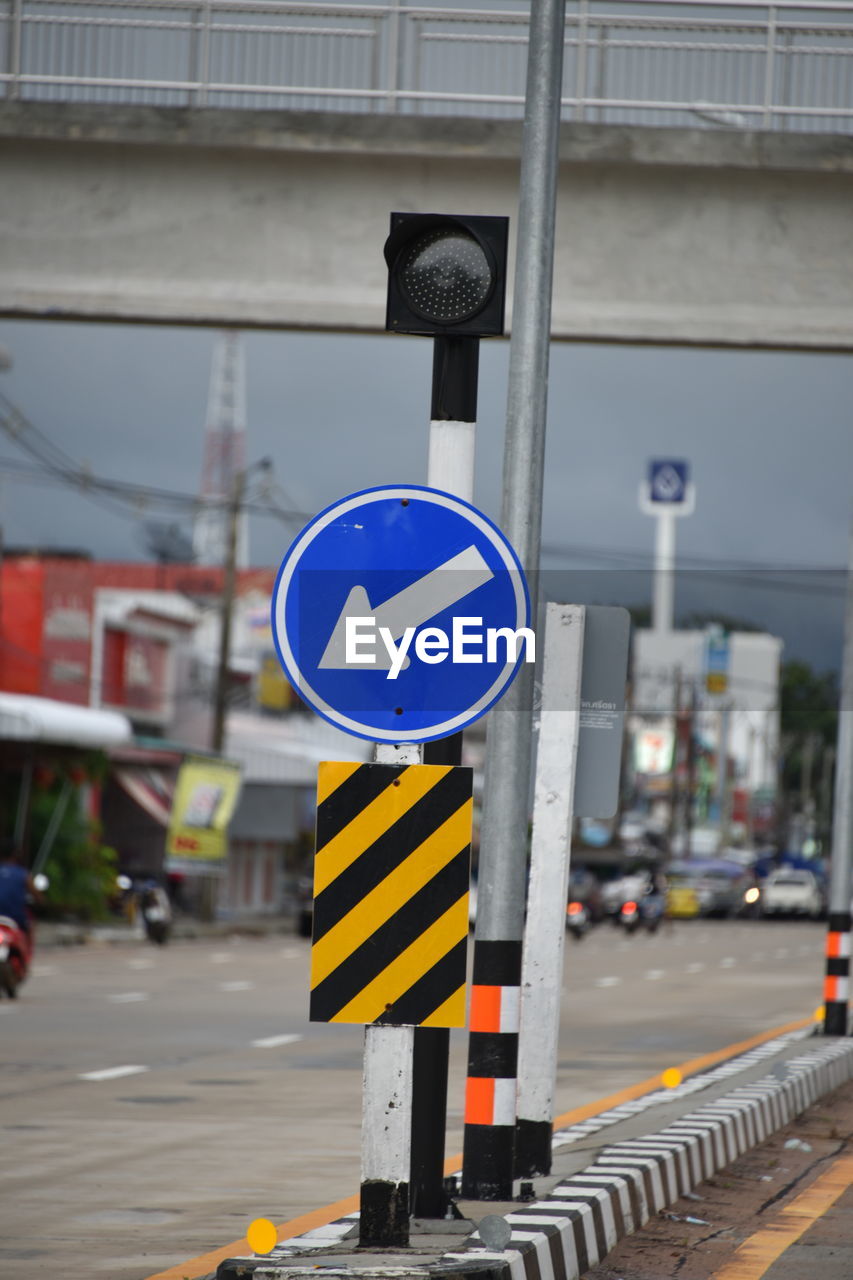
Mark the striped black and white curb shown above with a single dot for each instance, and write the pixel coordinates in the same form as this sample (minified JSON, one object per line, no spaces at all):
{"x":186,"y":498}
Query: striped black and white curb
{"x":588,"y":1213}
{"x":584,"y":1216}
{"x":565,"y":1137}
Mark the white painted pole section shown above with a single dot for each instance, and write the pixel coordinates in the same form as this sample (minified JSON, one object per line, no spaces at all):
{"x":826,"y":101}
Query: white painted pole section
{"x":550,"y":852}
{"x":663,"y":614}
{"x":386,"y":1115}
{"x":386,"y":1107}
{"x":451,"y":458}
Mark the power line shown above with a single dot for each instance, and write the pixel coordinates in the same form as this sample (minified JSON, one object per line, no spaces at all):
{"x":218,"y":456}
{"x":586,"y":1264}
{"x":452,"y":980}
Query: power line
{"x":54,"y":463}
{"x":686,"y":560}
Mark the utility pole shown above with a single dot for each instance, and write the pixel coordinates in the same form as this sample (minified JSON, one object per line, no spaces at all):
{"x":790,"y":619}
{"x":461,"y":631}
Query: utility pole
{"x":836,"y":990}
{"x":725,"y":714}
{"x":220,"y":696}
{"x":826,"y":776}
{"x":806,"y":772}
{"x":691,"y":771}
{"x":678,"y":757}
{"x":488,"y":1150}
{"x":751,"y":787}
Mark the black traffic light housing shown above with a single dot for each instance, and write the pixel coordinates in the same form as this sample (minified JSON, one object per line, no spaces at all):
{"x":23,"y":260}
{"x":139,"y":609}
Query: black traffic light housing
{"x":446,"y":274}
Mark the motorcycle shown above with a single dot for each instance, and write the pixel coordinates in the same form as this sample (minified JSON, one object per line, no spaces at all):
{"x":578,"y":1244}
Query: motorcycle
{"x":156,"y":914}
{"x":15,"y":953}
{"x":16,"y":949}
{"x":646,"y":912}
{"x":577,"y":919}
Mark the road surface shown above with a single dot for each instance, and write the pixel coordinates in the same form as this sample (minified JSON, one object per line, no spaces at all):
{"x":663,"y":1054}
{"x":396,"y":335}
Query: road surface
{"x":154,"y":1102}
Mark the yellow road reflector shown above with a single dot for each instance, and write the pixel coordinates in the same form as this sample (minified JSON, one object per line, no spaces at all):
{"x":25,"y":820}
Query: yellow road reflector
{"x":262,"y":1236}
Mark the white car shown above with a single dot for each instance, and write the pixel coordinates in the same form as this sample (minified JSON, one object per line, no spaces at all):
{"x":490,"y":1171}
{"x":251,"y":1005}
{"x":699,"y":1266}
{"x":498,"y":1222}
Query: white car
{"x":790,"y":891}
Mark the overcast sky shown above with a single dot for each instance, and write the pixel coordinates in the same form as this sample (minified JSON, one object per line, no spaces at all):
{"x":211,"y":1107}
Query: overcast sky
{"x":768,"y":437}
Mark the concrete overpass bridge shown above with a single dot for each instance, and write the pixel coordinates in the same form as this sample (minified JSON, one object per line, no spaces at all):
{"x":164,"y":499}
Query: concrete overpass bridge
{"x":138,"y":182}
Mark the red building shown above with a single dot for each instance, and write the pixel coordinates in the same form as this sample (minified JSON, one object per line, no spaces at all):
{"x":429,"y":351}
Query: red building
{"x":57,"y":642}
{"x":131,"y":638}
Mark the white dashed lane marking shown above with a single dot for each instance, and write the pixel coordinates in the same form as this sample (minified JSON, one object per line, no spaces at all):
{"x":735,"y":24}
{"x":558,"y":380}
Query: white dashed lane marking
{"x":653,"y":975}
{"x":274,"y":1042}
{"x":112,"y":1073}
{"x":141,"y":963}
{"x":236,"y":986}
{"x":695,"y":967}
{"x":607,"y":982}
{"x":128,"y":997}
{"x":728,"y":962}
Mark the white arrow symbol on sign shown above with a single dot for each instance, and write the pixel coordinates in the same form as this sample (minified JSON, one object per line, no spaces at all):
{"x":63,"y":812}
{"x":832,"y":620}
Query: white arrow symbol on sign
{"x":411,"y":607}
{"x":667,"y":483}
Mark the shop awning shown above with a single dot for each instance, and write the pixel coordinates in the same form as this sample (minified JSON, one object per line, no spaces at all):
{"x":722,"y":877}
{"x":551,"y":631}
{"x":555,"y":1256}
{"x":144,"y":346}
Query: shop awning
{"x":29,"y":719}
{"x":151,"y":789}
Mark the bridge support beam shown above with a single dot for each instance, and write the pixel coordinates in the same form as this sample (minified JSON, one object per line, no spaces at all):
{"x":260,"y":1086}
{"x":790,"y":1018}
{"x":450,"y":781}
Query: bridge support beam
{"x":276,"y":219}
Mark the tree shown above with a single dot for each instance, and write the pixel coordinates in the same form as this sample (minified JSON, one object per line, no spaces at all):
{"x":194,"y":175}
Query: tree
{"x":809,"y":702}
{"x":699,"y":621}
{"x":80,"y":868}
{"x":809,"y":727}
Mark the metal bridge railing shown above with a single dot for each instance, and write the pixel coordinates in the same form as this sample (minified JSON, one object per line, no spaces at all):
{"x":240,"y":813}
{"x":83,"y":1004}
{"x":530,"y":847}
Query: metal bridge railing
{"x":725,"y":63}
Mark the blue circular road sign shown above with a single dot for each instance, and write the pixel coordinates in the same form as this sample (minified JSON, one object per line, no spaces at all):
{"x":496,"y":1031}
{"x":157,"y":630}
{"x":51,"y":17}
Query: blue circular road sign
{"x":668,"y":481}
{"x":401,"y":614}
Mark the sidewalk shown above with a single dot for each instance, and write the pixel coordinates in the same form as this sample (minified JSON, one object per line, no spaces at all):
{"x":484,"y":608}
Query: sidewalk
{"x":641,"y":1163}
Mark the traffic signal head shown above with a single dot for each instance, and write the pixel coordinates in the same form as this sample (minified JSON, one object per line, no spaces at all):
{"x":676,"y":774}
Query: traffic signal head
{"x":446,"y":274}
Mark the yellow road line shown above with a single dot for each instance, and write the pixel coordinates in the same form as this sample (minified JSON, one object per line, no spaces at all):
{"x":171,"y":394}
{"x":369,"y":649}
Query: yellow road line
{"x":208,"y":1262}
{"x":757,"y":1254}
{"x":689,"y":1068}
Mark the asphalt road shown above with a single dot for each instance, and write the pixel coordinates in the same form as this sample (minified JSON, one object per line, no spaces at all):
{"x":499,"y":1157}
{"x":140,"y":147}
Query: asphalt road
{"x":154,"y":1102}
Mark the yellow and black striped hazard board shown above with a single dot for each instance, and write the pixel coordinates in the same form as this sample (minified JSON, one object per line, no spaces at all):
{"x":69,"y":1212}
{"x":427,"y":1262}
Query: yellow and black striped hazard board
{"x":391,"y":894}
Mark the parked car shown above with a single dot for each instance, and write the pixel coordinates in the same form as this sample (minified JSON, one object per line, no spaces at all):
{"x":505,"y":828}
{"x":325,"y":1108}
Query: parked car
{"x":791,"y":891}
{"x":707,"y":887}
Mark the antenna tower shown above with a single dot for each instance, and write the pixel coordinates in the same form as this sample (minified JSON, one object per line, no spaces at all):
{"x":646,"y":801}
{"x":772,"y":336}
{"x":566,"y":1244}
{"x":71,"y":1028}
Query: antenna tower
{"x":224,"y":454}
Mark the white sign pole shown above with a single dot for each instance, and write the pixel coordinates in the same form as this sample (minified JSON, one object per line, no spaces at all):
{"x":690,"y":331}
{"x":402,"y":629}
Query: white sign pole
{"x":550,"y":853}
{"x":386,"y":1104}
{"x":666,"y":495}
{"x":663,"y":611}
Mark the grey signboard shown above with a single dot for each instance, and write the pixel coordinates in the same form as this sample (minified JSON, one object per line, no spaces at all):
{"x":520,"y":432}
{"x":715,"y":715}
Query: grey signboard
{"x":602,"y":717}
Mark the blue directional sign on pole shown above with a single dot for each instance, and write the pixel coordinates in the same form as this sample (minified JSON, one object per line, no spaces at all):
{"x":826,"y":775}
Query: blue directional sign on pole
{"x":717,"y":661}
{"x":401,"y":614}
{"x":668,"y":481}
